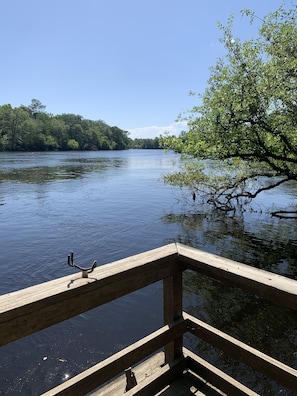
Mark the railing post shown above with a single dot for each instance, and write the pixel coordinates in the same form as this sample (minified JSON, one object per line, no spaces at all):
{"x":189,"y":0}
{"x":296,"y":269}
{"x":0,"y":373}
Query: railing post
{"x":172,"y":302}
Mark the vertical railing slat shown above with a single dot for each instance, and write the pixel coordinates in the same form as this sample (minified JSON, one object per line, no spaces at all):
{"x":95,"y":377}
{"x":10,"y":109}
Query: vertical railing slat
{"x":172,"y":303}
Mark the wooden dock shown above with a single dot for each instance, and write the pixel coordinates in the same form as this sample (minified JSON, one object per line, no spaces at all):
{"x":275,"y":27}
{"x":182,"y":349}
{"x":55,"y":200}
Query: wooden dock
{"x":158,"y":364}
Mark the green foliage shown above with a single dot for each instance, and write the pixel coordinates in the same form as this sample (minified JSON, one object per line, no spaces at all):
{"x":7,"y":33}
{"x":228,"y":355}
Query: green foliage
{"x":72,"y":144}
{"x":248,"y":117}
{"x":31,"y":128}
{"x":36,"y":107}
{"x":146,"y":143}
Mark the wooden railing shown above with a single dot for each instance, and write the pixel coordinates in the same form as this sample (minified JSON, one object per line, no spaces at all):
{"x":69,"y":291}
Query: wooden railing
{"x":30,"y":310}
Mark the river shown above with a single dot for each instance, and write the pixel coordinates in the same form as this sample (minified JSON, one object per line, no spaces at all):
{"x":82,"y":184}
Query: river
{"x":109,"y":205}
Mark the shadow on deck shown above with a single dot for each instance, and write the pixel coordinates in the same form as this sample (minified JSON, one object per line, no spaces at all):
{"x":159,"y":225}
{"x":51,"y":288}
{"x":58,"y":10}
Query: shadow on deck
{"x":184,"y":384}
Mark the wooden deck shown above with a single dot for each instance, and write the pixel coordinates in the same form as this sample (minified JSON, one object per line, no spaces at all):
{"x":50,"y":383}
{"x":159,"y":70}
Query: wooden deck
{"x":161,"y":364}
{"x":188,"y":383}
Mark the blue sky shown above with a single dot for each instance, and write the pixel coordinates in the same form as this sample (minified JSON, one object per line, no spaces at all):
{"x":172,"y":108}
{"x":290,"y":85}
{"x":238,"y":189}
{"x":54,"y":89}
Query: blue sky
{"x":130,"y":63}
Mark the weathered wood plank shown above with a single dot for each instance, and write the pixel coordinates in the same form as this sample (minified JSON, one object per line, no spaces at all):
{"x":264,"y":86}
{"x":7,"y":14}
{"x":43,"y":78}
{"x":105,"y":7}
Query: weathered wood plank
{"x":172,"y":303}
{"x":27,"y":311}
{"x":97,"y":375}
{"x":279,"y":372}
{"x":276,"y":288}
{"x":190,"y":384}
{"x":142,"y":371}
{"x":164,"y":376}
{"x":216,"y":377}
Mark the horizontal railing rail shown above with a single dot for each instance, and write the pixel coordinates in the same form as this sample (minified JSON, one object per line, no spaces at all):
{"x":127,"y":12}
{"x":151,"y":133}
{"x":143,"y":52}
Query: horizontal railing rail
{"x":273,"y":287}
{"x":35,"y":308}
{"x":242,"y":352}
{"x":100,"y":373}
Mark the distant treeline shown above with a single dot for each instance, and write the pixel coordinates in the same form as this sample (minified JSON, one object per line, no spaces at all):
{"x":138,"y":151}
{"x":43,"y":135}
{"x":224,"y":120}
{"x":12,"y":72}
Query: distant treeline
{"x":155,"y":143}
{"x":30,"y":128}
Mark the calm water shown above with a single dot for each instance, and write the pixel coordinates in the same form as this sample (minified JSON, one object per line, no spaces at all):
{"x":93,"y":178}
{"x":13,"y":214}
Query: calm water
{"x":110,"y":205}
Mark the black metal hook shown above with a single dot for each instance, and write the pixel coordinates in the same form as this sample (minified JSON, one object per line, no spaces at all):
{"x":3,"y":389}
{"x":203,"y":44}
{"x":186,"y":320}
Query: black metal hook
{"x":85,"y":271}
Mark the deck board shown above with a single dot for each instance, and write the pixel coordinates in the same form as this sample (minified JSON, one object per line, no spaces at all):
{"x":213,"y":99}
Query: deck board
{"x":188,"y":383}
{"x":184,"y":385}
{"x":142,"y":371}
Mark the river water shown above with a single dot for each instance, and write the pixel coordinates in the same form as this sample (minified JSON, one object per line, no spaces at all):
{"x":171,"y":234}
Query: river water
{"x":109,"y":205}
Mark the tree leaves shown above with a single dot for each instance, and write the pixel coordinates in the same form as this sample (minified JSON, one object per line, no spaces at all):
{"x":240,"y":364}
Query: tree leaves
{"x":248,"y":114}
{"x":31,"y":128}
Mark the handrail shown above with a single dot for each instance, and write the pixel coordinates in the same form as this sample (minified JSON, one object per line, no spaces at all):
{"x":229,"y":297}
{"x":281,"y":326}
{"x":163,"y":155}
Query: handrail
{"x":273,"y":287}
{"x":35,"y":308}
{"x":29,"y":310}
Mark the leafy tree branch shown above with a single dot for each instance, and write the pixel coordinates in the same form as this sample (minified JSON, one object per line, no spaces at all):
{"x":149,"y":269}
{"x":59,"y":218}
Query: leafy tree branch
{"x":247,"y":119}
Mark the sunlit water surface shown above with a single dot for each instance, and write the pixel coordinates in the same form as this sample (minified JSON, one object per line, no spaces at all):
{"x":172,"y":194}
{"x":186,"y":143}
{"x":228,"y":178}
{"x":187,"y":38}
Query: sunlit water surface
{"x":109,"y":205}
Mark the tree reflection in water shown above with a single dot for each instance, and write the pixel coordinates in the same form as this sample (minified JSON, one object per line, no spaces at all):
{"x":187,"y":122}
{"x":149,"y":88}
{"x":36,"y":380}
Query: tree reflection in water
{"x":260,"y":241}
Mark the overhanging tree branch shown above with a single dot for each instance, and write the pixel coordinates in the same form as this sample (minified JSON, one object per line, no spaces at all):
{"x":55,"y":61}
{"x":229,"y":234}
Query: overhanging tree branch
{"x":248,"y":116}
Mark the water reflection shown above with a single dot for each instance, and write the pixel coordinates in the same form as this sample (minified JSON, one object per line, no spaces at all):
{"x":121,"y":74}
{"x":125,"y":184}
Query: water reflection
{"x":71,"y":169}
{"x":107,"y":206}
{"x":267,"y":327}
{"x":258,"y":240}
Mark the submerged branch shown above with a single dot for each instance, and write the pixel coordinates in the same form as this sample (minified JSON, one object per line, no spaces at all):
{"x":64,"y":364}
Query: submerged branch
{"x":229,"y":197}
{"x":270,"y":187}
{"x":285,"y":214}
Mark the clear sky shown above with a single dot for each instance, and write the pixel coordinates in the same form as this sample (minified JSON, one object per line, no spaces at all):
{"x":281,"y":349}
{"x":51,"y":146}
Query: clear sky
{"x":130,"y":63}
